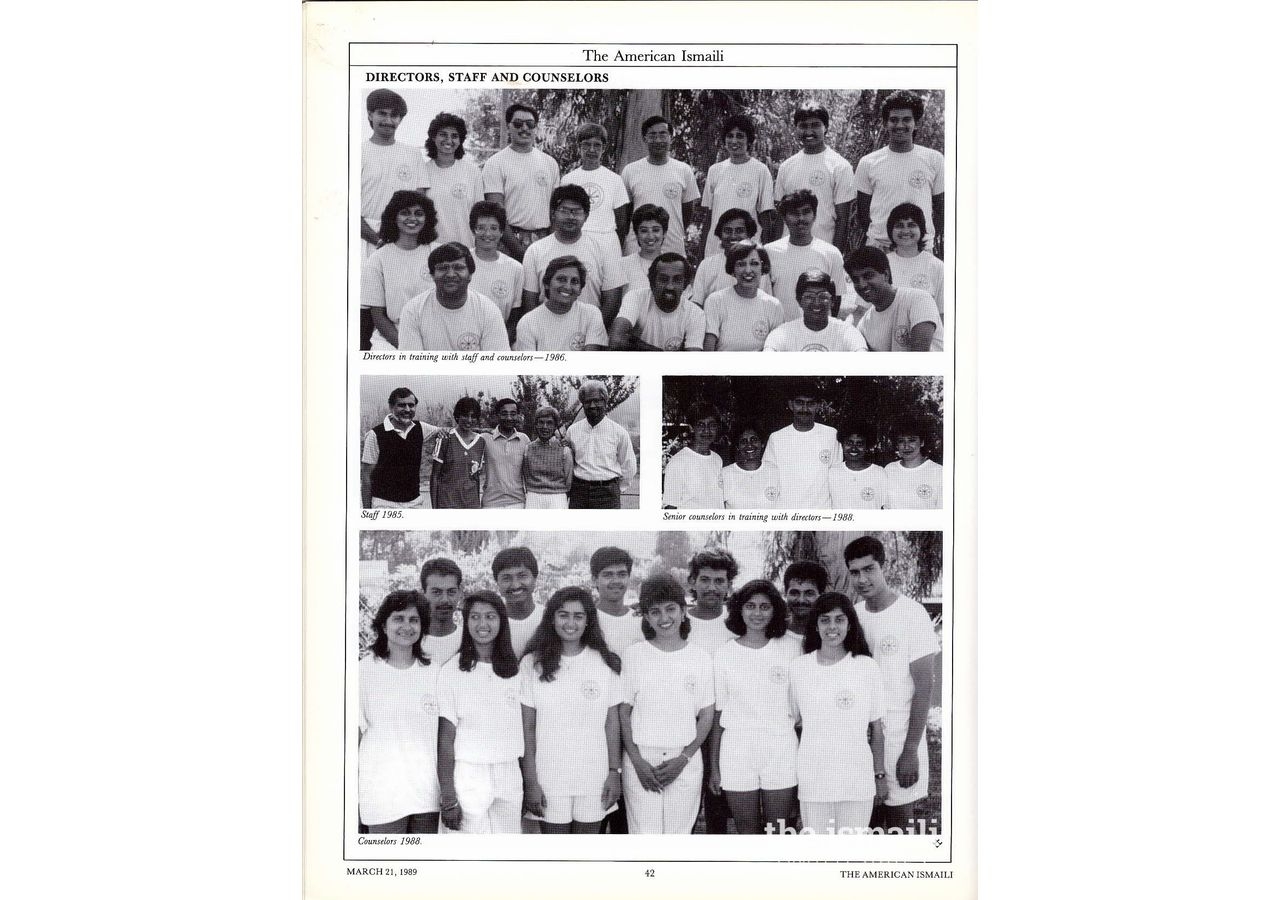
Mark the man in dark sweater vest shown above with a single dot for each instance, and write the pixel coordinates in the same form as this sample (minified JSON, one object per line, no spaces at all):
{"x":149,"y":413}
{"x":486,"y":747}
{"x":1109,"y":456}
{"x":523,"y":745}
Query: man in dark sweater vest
{"x":394,"y":472}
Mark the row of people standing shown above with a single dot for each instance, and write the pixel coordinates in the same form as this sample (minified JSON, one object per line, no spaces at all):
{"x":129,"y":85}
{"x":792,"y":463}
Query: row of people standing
{"x":659,"y":713}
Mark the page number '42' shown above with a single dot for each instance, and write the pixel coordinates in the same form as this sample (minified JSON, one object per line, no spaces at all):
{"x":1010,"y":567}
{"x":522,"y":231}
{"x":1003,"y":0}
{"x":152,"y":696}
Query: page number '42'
{"x":648,"y":873}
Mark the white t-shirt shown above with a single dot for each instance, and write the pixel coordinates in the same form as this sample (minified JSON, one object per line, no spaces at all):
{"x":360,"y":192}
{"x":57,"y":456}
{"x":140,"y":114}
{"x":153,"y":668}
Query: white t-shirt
{"x":682,"y":329}
{"x":890,"y":178}
{"x":802,"y":459}
{"x":385,"y":169}
{"x":484,"y":710}
{"x":635,"y":269}
{"x":439,"y":649}
{"x":398,"y":716}
{"x":711,"y":277}
{"x":454,"y":190}
{"x":604,"y":267}
{"x":838,"y":336}
{"x":392,"y":276}
{"x":923,"y":272}
{"x":523,"y":629}
{"x":747,"y":186}
{"x":666,"y":691}
{"x":709,"y":634}
{"x":692,"y":481}
{"x":758,"y":489}
{"x":667,"y":187}
{"x":525,"y":181}
{"x":620,"y":632}
{"x":829,"y":175}
{"x":607,"y":193}
{"x":888,"y":330}
{"x":753,"y":685}
{"x":787,"y":262}
{"x":741,"y":324}
{"x":477,"y":325}
{"x":835,"y":705}
{"x":543,"y":329}
{"x":572,"y":750}
{"x":500,"y":280}
{"x":863,"y":489}
{"x":918,"y":488}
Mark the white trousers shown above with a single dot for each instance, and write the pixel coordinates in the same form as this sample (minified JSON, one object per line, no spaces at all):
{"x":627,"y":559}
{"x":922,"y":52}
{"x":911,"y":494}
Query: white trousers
{"x":842,"y":817}
{"x":674,"y":809}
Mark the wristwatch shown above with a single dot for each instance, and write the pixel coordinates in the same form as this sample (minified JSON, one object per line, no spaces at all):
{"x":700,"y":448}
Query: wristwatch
{"x":880,"y":776}
{"x":617,"y":770}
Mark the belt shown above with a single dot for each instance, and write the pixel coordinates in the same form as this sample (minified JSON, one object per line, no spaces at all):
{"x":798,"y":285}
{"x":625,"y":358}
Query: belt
{"x":540,"y":231}
{"x":576,"y":480}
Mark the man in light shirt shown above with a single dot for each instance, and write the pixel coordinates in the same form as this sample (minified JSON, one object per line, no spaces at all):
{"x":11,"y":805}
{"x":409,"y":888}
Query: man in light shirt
{"x":802,"y":583}
{"x":662,"y":181}
{"x":521,"y":178}
{"x":823,"y":171}
{"x":799,"y":251}
{"x":451,"y":316}
{"x":515,"y":572}
{"x":803,"y":451}
{"x":899,"y":319}
{"x":901,"y":172}
{"x":611,"y":574}
{"x":603,"y":457}
{"x":441,"y":581}
{"x":610,"y":207}
{"x":740,"y":181}
{"x":660,"y":317}
{"x":394,"y":472}
{"x":504,"y":449}
{"x":816,"y":329}
{"x":385,"y":165}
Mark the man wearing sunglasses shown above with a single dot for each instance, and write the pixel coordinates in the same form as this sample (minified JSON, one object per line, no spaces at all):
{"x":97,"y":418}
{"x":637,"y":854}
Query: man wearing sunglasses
{"x":521,"y":178}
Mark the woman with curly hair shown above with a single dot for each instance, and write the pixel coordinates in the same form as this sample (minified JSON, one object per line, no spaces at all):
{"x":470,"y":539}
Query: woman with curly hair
{"x":455,"y":183}
{"x":398,"y":714}
{"x":398,"y":271}
{"x":573,"y":747}
{"x":481,"y":733}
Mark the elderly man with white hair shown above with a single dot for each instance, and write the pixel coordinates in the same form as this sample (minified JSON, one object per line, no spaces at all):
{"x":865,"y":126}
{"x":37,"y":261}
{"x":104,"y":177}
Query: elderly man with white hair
{"x":602,"y":453}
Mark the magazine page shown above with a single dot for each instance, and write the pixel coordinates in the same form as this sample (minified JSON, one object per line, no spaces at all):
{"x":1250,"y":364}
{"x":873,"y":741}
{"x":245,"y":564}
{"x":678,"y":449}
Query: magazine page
{"x":639,"y":360}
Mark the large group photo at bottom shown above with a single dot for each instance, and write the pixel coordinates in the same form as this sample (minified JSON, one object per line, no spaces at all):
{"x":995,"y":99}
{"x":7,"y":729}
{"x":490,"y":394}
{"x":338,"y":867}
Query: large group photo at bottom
{"x":650,"y":682}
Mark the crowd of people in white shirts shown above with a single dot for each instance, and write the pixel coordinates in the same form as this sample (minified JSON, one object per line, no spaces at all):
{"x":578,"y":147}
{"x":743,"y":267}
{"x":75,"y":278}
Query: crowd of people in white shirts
{"x":517,"y":256}
{"x":805,"y":713}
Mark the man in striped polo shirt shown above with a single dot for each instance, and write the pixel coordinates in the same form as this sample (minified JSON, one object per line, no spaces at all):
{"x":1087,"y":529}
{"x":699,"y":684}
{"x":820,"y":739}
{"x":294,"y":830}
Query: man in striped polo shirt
{"x":394,"y":472}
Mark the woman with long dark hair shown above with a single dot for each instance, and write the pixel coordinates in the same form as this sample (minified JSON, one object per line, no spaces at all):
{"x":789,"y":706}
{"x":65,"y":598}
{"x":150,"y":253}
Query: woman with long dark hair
{"x":397,"y":271}
{"x":836,"y":693}
{"x":481,"y":734}
{"x":573,"y":747}
{"x":398,"y":712}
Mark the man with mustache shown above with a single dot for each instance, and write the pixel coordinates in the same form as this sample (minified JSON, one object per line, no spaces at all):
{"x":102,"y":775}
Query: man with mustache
{"x":602,"y":453}
{"x":898,"y":319}
{"x":385,"y":165}
{"x":803,"y":452}
{"x":665,"y":182}
{"x":821,"y":170}
{"x":801,"y":250}
{"x":660,"y":317}
{"x":521,"y":178}
{"x":900,"y":172}
{"x":441,"y":581}
{"x":451,"y":316}
{"x":394,"y":470}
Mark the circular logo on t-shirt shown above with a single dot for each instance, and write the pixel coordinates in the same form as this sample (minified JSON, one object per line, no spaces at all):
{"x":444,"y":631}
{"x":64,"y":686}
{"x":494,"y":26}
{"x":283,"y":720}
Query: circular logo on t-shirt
{"x":814,"y":348}
{"x":672,"y":190}
{"x":509,"y":697}
{"x":541,"y":179}
{"x":918,"y":179}
{"x":845,"y":699}
{"x":469,"y":341}
{"x":778,"y":674}
{"x":425,"y":272}
{"x":825,"y":457}
{"x":742,"y":189}
{"x":817,"y":178}
{"x":578,"y":341}
{"x":429,"y":703}
{"x":674,"y":343}
{"x":594,"y":194}
{"x":458,"y":191}
{"x":771,"y":494}
{"x":924,"y":491}
{"x":499,"y":290}
{"x":868,"y":493}
{"x":888,"y":644}
{"x":591,"y":689}
{"x":760,"y":329}
{"x":690,"y":684}
{"x":920,"y":280}
{"x":902,"y":335}
{"x":404,"y":173}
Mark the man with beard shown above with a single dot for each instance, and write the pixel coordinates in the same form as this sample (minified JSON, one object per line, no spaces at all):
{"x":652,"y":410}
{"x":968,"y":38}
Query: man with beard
{"x":665,"y":182}
{"x":900,"y":318}
{"x":602,"y":453}
{"x":521,"y":178}
{"x":817,"y":329}
{"x":901,"y":172}
{"x":823,"y":171}
{"x":451,"y":316}
{"x":803,"y":452}
{"x":604,"y":282}
{"x":802,"y":583}
{"x":441,"y":581}
{"x":799,"y":251}
{"x":660,"y":317}
{"x":904,"y":645}
{"x":394,"y":472}
{"x":515,"y":571}
{"x":385,"y":165}
{"x":504,"y":450}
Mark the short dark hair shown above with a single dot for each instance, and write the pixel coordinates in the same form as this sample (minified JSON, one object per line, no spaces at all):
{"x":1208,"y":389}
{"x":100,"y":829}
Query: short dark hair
{"x":513,"y":558}
{"x":915,"y":425}
{"x":670,"y":257}
{"x":902,"y":100}
{"x":797,"y":200}
{"x":394,"y":603}
{"x":654,"y":120}
{"x":661,"y":587}
{"x":865,"y":546}
{"x":811,"y":110}
{"x":735,"y":213}
{"x":564,"y":192}
{"x":467,"y":405}
{"x":383,"y":98}
{"x":563,"y":262}
{"x":716,"y":559}
{"x":487,"y":208}
{"x":863,"y":430}
{"x":741,"y":250}
{"x":806,"y":570}
{"x":398,"y":393}
{"x":777,"y":626}
{"x":609,"y":556}
{"x":520,"y":107}
{"x":389,"y":230}
{"x":815,"y":278}
{"x":743,"y":426}
{"x":439,"y":565}
{"x":590,"y":130}
{"x":648,"y":212}
{"x":912,"y":213}
{"x":451,"y":252}
{"x":701,"y":409}
{"x":738,"y":120}
{"x":855,"y":641}
{"x":802,"y":387}
{"x":867,"y":257}
{"x":446,"y":120}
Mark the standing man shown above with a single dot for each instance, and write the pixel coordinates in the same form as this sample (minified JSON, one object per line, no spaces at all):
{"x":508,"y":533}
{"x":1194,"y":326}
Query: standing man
{"x":604,"y":281}
{"x":386,"y":166}
{"x":802,"y":583}
{"x":610,"y":217}
{"x":504,"y":449}
{"x":904,"y":644}
{"x":394,"y":472}
{"x":803,"y":452}
{"x":515,"y":571}
{"x":521,"y":178}
{"x":602,"y":453}
{"x":665,"y":182}
{"x":821,"y":170}
{"x":900,"y":318}
{"x":799,"y":251}
{"x":441,"y":581}
{"x":902,"y":172}
{"x":739,"y":182}
{"x":451,"y":316}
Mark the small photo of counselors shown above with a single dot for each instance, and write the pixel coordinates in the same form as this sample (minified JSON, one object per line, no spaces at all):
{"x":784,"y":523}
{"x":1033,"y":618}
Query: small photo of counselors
{"x":499,"y":442}
{"x":558,"y":682}
{"x":826,"y":442}
{"x":652,"y":220}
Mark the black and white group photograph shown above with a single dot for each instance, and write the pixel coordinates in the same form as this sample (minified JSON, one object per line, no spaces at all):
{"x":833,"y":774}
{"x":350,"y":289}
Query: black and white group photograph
{"x":793,"y":442}
{"x":650,"y":682}
{"x":481,"y":441}
{"x":698,"y":220}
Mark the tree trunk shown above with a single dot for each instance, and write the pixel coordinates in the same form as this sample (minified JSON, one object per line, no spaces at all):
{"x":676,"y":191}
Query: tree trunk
{"x":640,"y":106}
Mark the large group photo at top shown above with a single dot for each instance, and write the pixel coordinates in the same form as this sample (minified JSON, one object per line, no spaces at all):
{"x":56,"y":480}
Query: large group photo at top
{"x":480,"y":441}
{"x":641,"y":682}
{"x":696,"y":220}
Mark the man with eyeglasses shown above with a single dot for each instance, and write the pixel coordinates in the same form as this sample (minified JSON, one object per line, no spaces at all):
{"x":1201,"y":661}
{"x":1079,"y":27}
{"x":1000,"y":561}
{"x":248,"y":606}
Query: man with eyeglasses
{"x":816,"y":330}
{"x":803,"y":452}
{"x":610,"y":216}
{"x":521,"y":178}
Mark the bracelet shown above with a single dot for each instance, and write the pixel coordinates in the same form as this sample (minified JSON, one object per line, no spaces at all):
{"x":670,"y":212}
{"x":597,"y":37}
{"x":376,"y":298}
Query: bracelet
{"x":880,"y":776}
{"x":455,"y":805}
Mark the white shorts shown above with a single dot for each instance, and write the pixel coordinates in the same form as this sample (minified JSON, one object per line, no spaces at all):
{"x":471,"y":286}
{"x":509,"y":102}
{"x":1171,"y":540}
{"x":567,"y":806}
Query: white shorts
{"x":583,"y":808}
{"x":674,"y":809}
{"x":545,"y":501}
{"x":490,"y":796}
{"x":752,"y":760}
{"x":842,"y":817}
